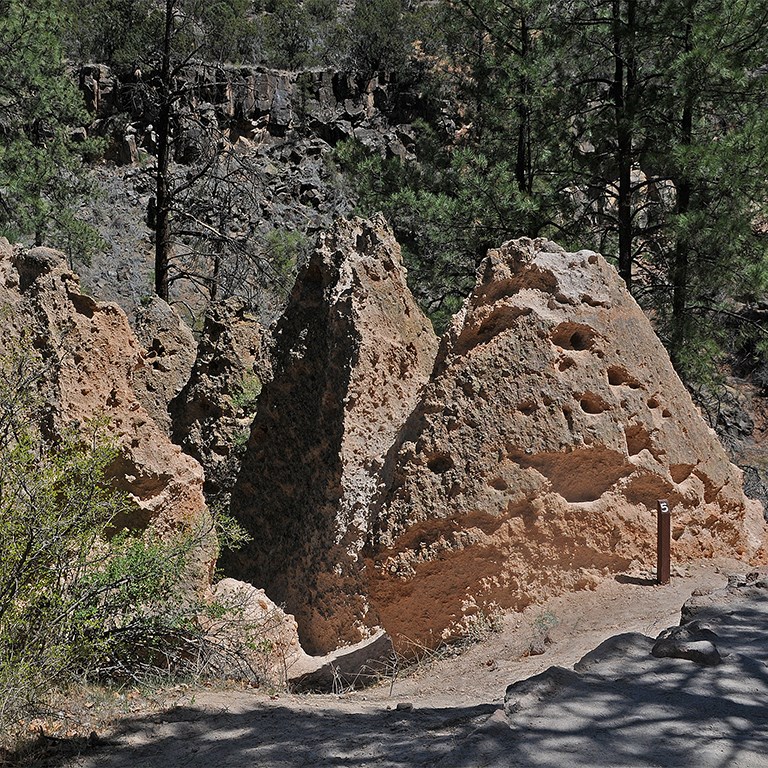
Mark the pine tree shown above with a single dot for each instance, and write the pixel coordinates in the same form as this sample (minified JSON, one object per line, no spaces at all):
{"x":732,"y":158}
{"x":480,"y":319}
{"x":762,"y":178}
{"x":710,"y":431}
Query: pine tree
{"x":42,"y":143}
{"x":181,"y":34}
{"x":715,"y":154}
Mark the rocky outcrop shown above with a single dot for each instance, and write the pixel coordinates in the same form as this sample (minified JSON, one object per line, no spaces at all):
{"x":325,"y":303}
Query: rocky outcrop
{"x":213,"y":412}
{"x":351,"y":353}
{"x":528,"y":462}
{"x":255,"y":103}
{"x":386,"y":483}
{"x":91,"y":358}
{"x":533,"y":461}
{"x":94,"y":366}
{"x":169,"y":349}
{"x":98,"y":84}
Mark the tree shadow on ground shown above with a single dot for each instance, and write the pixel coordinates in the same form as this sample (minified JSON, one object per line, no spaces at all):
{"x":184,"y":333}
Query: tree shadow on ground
{"x":276,"y":736}
{"x":671,"y":714}
{"x":623,"y":708}
{"x":633,"y":711}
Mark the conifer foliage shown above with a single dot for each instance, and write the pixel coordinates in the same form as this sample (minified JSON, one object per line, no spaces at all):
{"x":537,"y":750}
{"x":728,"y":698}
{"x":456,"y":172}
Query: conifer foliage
{"x":637,"y":129}
{"x":41,"y":148}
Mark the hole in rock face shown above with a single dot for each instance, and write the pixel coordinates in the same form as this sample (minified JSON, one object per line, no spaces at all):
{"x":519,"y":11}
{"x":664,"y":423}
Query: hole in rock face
{"x":592,"y":403}
{"x":440,"y":463}
{"x":527,"y":407}
{"x":573,"y":336}
{"x":500,"y":320}
{"x":652,"y":402}
{"x":84,"y":305}
{"x":681,"y":472}
{"x":646,"y":488}
{"x":565,"y":364}
{"x":580,"y":475}
{"x":638,"y":439}
{"x":618,"y":376}
{"x":499,"y":483}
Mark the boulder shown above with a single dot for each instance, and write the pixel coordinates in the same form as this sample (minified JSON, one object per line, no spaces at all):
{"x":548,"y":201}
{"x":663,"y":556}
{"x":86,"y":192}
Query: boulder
{"x":349,"y":668}
{"x":694,"y":642}
{"x":100,"y":89}
{"x":253,"y":639}
{"x":533,"y":461}
{"x":352,"y":352}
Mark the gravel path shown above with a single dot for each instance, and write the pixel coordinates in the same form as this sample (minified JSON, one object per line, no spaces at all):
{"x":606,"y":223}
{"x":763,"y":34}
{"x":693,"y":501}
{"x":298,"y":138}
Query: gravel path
{"x":624,"y":708}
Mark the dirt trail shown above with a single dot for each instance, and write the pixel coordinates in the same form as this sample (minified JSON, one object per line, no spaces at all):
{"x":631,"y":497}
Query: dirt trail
{"x":444,"y":707}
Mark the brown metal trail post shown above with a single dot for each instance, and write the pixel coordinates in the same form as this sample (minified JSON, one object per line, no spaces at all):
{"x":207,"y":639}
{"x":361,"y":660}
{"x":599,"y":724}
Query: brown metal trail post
{"x":663,"y":541}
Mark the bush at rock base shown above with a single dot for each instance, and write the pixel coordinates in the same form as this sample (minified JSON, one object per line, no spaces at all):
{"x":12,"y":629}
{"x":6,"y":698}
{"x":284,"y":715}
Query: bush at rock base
{"x":80,"y":598}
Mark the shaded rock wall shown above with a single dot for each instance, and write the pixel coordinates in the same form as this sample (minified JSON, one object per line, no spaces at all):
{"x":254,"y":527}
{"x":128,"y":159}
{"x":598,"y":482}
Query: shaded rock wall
{"x":272,"y":133}
{"x":351,"y":354}
{"x":212,"y":413}
{"x":533,"y":461}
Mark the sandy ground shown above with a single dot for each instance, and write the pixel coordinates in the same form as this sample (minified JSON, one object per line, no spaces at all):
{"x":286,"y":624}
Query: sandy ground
{"x":627,"y":709}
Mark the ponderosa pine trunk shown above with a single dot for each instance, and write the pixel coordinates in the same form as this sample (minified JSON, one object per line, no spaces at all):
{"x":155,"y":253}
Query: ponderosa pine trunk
{"x":163,"y":192}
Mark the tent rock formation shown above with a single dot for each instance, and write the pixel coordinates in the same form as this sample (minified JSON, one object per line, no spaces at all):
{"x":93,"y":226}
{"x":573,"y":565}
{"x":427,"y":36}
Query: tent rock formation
{"x":528,"y":462}
{"x":552,"y":424}
{"x":352,"y":351}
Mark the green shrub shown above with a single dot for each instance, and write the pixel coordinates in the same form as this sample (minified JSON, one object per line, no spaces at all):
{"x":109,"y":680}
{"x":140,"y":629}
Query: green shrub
{"x":81,"y":596}
{"x":247,"y":393}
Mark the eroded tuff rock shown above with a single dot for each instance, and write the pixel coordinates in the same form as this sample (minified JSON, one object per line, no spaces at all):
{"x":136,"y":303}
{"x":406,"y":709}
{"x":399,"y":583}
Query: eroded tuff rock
{"x":169,"y":349}
{"x":254,"y":639}
{"x":92,"y":356}
{"x":213,"y":412}
{"x":533,"y":461}
{"x":351,"y":354}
